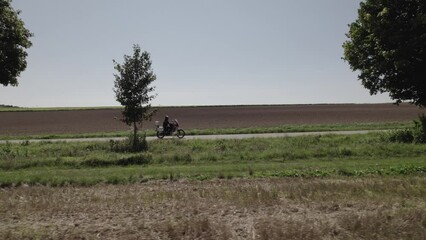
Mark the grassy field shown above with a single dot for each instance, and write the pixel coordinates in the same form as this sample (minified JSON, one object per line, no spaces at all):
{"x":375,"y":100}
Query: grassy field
{"x":90,"y":163}
{"x":312,"y":187}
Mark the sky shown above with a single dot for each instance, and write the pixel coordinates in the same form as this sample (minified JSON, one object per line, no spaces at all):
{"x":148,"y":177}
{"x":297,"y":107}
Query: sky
{"x":204,"y":52}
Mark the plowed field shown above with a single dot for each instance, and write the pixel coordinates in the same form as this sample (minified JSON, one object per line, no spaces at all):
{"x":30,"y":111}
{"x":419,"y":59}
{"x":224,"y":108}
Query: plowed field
{"x":87,"y":121}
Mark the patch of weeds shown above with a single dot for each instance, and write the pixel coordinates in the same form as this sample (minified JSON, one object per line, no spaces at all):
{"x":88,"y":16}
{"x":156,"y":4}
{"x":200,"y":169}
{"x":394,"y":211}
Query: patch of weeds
{"x":318,"y":173}
{"x":196,"y":148}
{"x":286,"y":173}
{"x":182,"y":158}
{"x":96,"y":162}
{"x":95,"y":147}
{"x":6,"y":148}
{"x":210,"y":157}
{"x":114,"y":145}
{"x":401,"y":136}
{"x":116,"y":180}
{"x":346,"y":152}
{"x":345,"y":172}
{"x":131,"y":144}
{"x":415,"y":134}
{"x":407,"y":170}
{"x":221,"y":146}
{"x":229,"y":176}
{"x":200,"y":177}
{"x":140,"y":159}
{"x":173,"y":177}
{"x":250,"y":171}
{"x":419,"y":130}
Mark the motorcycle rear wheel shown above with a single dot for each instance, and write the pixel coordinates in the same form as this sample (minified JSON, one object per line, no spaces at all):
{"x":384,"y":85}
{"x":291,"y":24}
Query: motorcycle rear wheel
{"x":180,"y":133}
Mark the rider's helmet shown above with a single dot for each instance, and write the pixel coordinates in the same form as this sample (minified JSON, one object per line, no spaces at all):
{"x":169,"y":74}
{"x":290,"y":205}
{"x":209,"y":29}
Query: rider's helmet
{"x":167,"y":117}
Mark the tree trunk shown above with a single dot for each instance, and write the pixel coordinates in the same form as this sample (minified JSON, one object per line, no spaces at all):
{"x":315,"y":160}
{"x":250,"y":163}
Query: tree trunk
{"x":135,"y":137}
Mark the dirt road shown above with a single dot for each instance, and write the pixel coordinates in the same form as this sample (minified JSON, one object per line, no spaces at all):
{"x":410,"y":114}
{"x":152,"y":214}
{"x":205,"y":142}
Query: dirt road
{"x":202,"y":137}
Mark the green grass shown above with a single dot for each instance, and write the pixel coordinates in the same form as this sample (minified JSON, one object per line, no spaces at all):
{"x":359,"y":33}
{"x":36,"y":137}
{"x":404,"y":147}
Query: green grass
{"x":304,"y":128}
{"x":72,"y":135}
{"x":279,"y":129}
{"x":310,"y":156}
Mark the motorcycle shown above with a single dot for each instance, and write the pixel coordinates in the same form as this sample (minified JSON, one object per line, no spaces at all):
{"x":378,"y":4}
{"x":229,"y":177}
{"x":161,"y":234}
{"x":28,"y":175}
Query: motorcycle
{"x":174,"y":130}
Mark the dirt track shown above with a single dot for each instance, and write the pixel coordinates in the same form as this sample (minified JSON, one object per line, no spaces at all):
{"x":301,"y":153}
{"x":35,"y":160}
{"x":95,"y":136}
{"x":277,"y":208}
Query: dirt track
{"x":86,"y":121}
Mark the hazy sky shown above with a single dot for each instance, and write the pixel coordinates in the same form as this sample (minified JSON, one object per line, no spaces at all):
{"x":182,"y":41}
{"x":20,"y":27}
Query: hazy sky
{"x":213,"y":52}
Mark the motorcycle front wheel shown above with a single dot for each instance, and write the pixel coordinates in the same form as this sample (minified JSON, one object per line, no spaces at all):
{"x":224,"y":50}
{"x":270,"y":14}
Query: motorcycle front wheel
{"x":160,"y":135}
{"x":180,"y":133}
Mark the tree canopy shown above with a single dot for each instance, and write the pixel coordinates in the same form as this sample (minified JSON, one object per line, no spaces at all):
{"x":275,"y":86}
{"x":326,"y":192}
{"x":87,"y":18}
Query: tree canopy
{"x":133,"y":87}
{"x":387,"y":45}
{"x":14,"y":39}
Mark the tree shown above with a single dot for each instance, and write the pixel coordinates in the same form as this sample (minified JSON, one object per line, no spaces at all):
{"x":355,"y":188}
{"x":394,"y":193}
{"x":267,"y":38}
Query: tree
{"x":387,"y":45}
{"x":132,"y":89}
{"x":14,"y":39}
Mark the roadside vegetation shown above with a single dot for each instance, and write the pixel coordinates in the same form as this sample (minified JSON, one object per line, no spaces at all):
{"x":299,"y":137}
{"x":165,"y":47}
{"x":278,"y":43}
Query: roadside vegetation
{"x":413,"y":134}
{"x":90,"y":163}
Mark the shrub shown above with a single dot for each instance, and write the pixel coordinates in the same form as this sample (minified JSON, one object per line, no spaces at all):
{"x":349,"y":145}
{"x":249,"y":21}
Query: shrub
{"x":417,"y":134}
{"x":401,"y":136}
{"x":128,"y":145}
{"x":419,"y":130}
{"x":141,"y":144}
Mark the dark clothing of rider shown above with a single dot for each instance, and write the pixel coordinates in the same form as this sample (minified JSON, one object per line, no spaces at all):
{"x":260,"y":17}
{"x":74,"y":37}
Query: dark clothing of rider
{"x":166,"y":124}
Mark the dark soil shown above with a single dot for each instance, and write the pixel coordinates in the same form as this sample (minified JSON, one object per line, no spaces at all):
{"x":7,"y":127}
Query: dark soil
{"x":88,"y":121}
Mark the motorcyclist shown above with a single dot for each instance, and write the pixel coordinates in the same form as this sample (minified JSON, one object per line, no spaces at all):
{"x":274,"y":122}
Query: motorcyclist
{"x":166,"y":124}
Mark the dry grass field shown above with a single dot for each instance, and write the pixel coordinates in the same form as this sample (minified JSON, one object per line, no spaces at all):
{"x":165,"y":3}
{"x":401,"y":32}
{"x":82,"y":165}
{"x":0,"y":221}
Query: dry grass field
{"x":289,"y":208}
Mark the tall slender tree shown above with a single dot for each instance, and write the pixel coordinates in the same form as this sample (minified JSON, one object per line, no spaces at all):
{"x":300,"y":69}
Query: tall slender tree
{"x":14,"y":39}
{"x":133,"y":89}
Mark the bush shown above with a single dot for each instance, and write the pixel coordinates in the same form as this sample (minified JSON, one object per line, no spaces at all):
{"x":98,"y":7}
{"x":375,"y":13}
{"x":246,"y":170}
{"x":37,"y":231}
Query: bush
{"x":417,"y":134}
{"x":128,"y":145}
{"x":401,"y":136}
{"x":141,"y":144}
{"x":419,"y":130}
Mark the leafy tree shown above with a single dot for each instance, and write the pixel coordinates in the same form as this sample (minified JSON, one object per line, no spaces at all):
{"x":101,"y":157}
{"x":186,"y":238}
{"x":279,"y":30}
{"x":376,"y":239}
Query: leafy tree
{"x":132,"y":89}
{"x":14,"y":39}
{"x":387,"y":44}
